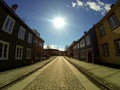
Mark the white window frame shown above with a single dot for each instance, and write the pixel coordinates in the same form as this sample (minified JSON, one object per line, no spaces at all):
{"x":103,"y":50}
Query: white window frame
{"x":113,"y":22}
{"x":20,"y":47}
{"x":9,"y":28}
{"x":80,"y":44}
{"x":87,"y":40}
{"x":40,"y":44}
{"x":21,"y":33}
{"x":4,"y":43}
{"x":117,"y":47}
{"x":28,"y":53}
{"x":106,"y":52}
{"x":30,"y":36}
{"x":83,"y":43}
{"x":102,"y":30}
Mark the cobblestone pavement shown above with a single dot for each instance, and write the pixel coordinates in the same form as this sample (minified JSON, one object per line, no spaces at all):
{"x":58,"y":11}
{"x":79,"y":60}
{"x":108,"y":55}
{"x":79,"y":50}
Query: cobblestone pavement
{"x":57,"y":76}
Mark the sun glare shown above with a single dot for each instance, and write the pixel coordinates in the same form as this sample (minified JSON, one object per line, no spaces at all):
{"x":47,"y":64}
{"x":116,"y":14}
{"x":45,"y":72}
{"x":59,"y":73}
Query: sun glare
{"x":59,"y":22}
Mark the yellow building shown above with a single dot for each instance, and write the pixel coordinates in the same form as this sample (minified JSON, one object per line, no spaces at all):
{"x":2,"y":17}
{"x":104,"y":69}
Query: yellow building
{"x":108,"y":36}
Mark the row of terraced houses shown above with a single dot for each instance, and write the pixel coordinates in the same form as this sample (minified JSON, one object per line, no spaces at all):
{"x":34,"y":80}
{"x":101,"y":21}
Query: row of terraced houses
{"x":19,"y":44}
{"x":102,"y":42}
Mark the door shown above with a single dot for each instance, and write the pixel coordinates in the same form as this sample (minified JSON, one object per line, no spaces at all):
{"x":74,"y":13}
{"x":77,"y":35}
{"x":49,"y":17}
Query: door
{"x":90,"y":56}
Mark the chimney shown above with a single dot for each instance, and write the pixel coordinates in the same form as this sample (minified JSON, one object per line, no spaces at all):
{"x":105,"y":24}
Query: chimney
{"x":112,"y":5}
{"x":14,"y":7}
{"x":85,"y":32}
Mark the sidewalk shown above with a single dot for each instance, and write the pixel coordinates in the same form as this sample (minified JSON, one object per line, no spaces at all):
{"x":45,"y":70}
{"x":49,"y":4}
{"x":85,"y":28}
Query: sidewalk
{"x":109,"y":77}
{"x":12,"y":75}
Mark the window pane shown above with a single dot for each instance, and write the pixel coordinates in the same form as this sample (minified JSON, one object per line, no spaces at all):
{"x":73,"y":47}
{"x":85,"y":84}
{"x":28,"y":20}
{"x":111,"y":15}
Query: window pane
{"x":106,"y":50}
{"x":102,"y":30}
{"x":20,"y":56}
{"x":113,"y":21}
{"x":10,"y":26}
{"x":7,"y":24}
{"x":5,"y":50}
{"x":118,"y":47}
{"x":30,"y":38}
{"x":21,"y":33}
{"x":17,"y":53}
{"x":88,"y":40}
{"x":1,"y":49}
{"x":28,"y":53}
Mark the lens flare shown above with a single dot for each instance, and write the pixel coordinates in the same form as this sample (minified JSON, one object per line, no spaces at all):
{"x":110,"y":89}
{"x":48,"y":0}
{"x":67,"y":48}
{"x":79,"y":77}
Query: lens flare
{"x":59,"y":22}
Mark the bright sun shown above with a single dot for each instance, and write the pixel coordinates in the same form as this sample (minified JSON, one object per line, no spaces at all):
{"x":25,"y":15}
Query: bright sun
{"x":59,"y":22}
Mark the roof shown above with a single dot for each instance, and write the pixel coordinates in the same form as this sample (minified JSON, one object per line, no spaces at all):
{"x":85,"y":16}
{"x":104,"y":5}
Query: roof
{"x":15,"y":15}
{"x":18,"y":18}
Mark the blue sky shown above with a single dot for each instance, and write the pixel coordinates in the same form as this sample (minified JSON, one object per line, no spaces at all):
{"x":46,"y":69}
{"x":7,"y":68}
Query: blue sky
{"x":79,"y":15}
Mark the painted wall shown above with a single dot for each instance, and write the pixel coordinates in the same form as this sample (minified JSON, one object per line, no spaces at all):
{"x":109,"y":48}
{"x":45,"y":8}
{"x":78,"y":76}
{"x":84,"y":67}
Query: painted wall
{"x":110,"y":37}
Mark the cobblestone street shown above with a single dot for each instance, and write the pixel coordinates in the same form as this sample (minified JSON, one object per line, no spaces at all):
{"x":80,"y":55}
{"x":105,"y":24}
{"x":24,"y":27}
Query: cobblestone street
{"x":59,"y":75}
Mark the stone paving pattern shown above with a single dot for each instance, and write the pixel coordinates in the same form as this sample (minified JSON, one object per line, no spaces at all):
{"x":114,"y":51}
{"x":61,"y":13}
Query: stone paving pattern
{"x":110,"y":77}
{"x":9,"y":76}
{"x":58,"y":76}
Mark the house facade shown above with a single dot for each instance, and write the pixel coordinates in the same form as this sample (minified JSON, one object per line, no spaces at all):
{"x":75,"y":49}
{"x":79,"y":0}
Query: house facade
{"x":75,"y":50}
{"x":88,"y":48}
{"x":71,"y":50}
{"x":108,"y":36}
{"x":16,"y":39}
{"x":38,"y":46}
{"x":51,"y":52}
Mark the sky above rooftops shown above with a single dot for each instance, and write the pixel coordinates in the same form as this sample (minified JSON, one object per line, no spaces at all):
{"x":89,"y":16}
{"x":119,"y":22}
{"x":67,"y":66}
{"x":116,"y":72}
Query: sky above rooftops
{"x":79,"y":16}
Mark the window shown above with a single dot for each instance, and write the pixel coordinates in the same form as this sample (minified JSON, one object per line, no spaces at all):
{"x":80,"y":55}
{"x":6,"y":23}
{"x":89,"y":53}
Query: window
{"x":30,"y":38}
{"x":21,"y":33}
{"x":83,"y":55}
{"x":102,"y":30}
{"x":40,"y":44}
{"x":4,"y":47}
{"x":75,"y":47}
{"x":113,"y":22}
{"x":19,"y":51}
{"x":87,"y":40}
{"x":105,"y":50}
{"x":35,"y":41}
{"x":28,"y":53}
{"x":117,"y":45}
{"x":80,"y":44}
{"x":8,"y":25}
{"x":83,"y":43}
